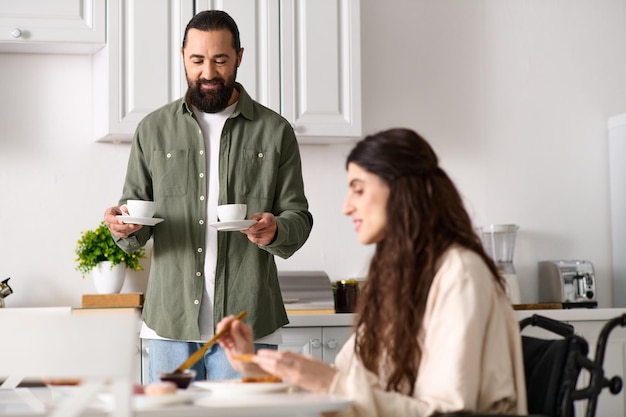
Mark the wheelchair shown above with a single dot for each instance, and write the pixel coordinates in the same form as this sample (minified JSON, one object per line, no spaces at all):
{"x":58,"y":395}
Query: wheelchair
{"x":552,"y":368}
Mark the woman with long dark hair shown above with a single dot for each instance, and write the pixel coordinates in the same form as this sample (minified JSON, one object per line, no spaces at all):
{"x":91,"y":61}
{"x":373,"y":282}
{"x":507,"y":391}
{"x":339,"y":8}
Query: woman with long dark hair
{"x":435,"y":331}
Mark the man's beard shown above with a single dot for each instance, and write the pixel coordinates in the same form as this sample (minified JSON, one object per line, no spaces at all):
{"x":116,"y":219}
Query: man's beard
{"x":211,"y":101}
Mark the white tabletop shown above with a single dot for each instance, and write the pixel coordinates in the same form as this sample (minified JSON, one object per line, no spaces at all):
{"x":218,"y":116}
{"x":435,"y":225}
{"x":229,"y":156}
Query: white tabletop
{"x":23,"y":402}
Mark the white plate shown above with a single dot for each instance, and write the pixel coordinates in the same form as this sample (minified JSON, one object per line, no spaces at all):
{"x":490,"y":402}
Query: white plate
{"x":146,"y":221}
{"x":233,"y":226}
{"x":278,"y":403}
{"x":236,"y":387}
{"x":146,"y":402}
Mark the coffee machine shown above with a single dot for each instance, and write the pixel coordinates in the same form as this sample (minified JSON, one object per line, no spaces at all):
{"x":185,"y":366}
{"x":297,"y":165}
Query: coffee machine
{"x":569,"y":282}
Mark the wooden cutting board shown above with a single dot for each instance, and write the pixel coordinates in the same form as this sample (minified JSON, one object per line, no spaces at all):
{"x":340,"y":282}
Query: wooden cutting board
{"x":113,"y":300}
{"x":541,"y":306}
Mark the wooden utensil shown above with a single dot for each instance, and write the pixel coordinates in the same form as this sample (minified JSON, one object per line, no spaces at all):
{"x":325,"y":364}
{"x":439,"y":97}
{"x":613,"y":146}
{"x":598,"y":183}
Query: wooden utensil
{"x":198,"y":354}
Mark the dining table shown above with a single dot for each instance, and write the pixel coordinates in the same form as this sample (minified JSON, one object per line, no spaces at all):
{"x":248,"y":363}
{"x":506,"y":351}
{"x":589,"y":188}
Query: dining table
{"x":193,"y":402}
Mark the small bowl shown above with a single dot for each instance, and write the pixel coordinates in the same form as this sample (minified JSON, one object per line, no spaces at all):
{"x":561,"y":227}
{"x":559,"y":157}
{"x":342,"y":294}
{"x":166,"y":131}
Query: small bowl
{"x":181,"y":379}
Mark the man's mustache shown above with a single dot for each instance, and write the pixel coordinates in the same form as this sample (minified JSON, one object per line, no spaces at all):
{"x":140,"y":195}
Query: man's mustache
{"x":214,"y":81}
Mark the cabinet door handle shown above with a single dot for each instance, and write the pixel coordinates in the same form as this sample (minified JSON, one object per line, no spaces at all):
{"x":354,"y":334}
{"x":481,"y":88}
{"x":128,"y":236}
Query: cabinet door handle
{"x":332,"y":344}
{"x":316,"y":343}
{"x":16,"y":33}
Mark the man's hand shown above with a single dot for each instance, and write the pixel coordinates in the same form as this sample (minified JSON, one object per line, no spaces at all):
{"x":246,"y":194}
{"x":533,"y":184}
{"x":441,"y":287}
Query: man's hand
{"x":117,"y":226}
{"x":264,"y":230}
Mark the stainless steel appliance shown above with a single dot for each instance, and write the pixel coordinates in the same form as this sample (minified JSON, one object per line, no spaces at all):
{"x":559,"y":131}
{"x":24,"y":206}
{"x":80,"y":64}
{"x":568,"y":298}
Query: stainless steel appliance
{"x":5,"y":291}
{"x":569,"y":282}
{"x":306,"y":291}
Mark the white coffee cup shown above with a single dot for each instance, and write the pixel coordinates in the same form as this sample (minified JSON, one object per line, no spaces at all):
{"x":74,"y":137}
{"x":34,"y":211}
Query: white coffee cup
{"x":231,"y":212}
{"x":141,"y":208}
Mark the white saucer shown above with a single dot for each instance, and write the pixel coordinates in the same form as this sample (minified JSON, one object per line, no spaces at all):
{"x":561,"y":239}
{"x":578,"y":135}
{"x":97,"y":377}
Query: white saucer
{"x":146,"y":221}
{"x":145,"y":402}
{"x":233,"y":226}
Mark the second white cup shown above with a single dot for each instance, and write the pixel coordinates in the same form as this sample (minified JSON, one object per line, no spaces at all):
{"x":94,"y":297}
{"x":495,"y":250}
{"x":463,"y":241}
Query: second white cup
{"x":231,"y":212}
{"x":141,"y":208}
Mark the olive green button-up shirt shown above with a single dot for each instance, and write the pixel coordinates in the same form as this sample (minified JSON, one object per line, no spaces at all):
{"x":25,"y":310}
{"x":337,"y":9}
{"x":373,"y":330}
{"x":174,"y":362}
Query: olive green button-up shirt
{"x":259,"y":164}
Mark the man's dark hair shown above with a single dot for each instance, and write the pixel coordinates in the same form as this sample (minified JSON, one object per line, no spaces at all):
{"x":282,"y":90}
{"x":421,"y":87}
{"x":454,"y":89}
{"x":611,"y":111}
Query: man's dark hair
{"x":214,"y":20}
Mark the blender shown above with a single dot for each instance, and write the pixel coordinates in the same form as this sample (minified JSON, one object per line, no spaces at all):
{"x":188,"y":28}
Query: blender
{"x":499,"y":243}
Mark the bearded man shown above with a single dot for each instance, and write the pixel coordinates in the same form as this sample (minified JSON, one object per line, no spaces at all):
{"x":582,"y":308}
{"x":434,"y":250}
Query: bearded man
{"x":214,"y":146}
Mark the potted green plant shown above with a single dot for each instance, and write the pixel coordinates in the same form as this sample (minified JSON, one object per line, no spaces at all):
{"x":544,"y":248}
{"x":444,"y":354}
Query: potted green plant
{"x":96,"y":251}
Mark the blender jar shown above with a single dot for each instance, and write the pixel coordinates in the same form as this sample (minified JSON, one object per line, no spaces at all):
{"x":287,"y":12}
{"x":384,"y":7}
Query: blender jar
{"x":499,"y":243}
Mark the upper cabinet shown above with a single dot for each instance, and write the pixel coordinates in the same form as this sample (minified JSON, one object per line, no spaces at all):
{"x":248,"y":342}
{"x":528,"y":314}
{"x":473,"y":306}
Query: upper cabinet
{"x":302,"y":58}
{"x":140,"y":68}
{"x":52,"y":26}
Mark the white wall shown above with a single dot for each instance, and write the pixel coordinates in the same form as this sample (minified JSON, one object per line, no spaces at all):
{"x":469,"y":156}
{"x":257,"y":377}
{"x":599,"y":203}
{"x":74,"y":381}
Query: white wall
{"x":514,"y":97}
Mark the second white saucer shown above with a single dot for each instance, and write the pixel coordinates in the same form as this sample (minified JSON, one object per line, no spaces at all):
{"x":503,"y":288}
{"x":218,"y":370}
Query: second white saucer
{"x":233,"y":226}
{"x":146,"y":221}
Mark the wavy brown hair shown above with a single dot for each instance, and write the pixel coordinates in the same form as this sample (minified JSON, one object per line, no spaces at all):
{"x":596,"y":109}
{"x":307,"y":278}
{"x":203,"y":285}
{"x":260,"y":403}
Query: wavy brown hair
{"x":425,"y":216}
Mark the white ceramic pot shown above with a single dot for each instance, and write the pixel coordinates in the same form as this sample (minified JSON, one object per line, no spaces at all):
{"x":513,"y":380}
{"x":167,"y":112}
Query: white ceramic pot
{"x":108,"y":280}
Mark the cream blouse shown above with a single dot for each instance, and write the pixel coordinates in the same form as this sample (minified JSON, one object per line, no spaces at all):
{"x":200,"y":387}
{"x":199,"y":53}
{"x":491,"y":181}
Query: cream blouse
{"x":472,"y":356}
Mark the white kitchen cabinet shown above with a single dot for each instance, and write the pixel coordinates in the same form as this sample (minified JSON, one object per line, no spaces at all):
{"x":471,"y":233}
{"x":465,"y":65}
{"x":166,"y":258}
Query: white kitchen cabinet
{"x":304,"y":340}
{"x":303,"y":60}
{"x":322,"y":342}
{"x":52,"y":26}
{"x":140,"y":69}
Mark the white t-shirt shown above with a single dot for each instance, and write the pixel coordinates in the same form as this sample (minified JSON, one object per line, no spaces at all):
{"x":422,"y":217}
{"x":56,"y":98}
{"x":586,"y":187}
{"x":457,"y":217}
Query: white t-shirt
{"x":211,"y":125}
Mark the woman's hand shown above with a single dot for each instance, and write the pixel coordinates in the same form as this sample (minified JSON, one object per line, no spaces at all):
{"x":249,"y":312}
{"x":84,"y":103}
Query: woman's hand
{"x":305,"y":372}
{"x":238,"y":341}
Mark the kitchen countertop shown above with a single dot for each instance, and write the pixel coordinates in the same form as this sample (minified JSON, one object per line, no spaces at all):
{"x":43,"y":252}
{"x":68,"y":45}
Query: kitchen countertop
{"x":320,"y":320}
{"x":577,"y":314}
{"x":347,"y":319}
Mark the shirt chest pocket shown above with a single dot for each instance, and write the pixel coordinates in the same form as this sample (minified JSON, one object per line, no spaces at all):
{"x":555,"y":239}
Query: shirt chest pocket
{"x":170,"y":172}
{"x":258,"y":170}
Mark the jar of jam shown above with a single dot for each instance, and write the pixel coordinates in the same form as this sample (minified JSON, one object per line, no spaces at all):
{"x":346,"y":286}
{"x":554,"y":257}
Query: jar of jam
{"x":346,"y":295}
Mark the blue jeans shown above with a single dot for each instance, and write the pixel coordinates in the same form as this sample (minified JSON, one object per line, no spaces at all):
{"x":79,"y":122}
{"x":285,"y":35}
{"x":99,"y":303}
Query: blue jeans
{"x":167,"y":355}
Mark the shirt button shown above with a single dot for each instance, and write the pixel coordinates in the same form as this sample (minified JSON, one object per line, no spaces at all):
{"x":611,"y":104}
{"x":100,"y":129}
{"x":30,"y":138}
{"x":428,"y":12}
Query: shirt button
{"x":201,"y":152}
{"x":201,"y":222}
{"x":196,"y":302}
{"x":169,"y":155}
{"x":260,"y":155}
{"x":199,"y":250}
{"x":201,"y":198}
{"x":198,"y":274}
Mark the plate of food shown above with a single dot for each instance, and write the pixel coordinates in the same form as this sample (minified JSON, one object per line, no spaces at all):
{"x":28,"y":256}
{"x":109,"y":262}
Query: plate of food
{"x":245,"y":385}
